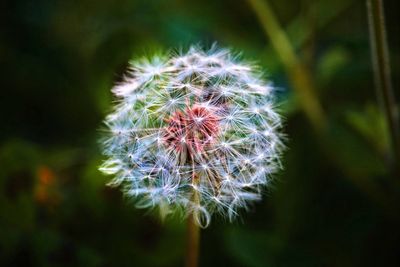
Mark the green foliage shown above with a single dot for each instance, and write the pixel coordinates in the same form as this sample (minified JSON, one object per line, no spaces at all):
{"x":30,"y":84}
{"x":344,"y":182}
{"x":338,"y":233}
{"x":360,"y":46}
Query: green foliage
{"x":371,"y":124}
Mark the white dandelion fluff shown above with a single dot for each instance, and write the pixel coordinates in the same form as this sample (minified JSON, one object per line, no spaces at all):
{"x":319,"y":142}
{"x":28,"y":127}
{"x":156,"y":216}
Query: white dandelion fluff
{"x":195,"y":132}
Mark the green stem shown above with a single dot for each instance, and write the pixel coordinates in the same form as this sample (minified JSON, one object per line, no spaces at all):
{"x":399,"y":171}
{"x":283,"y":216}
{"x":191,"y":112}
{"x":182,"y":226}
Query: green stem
{"x":381,"y":65}
{"x":298,"y":73}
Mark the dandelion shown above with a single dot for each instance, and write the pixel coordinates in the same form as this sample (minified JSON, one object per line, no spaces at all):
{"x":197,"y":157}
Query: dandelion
{"x":195,"y":132}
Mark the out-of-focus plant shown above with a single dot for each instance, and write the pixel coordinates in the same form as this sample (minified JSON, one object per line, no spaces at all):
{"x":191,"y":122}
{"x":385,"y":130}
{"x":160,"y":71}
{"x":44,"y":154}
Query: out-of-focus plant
{"x":297,"y":71}
{"x":303,"y":83}
{"x":382,"y":72}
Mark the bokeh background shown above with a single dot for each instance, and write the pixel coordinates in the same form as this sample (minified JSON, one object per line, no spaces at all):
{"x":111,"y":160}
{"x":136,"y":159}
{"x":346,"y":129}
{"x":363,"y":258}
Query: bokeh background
{"x":336,"y":203}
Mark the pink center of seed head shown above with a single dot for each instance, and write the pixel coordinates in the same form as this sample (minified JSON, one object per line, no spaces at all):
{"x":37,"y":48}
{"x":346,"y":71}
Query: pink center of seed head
{"x":191,"y":130}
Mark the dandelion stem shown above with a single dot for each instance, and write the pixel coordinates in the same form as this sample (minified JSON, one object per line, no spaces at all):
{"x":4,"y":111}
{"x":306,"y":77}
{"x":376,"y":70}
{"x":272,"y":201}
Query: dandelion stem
{"x":193,"y":242}
{"x":193,"y":232}
{"x":381,"y":65}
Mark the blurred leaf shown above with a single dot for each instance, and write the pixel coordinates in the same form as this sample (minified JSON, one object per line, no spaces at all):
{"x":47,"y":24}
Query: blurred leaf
{"x":251,"y":248}
{"x":352,"y":153}
{"x":371,"y":125}
{"x":324,"y":11}
{"x":330,"y":64}
{"x":88,"y":257}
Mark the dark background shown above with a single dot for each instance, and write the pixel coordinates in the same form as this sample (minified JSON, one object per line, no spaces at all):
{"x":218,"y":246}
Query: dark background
{"x":336,"y":203}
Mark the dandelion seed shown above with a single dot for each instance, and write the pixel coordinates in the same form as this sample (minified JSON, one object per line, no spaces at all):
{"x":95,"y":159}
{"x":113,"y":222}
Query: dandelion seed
{"x":201,"y":121}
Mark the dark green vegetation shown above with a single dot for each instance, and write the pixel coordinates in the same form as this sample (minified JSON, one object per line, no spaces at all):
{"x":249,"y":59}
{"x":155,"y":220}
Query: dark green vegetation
{"x":335,"y":204}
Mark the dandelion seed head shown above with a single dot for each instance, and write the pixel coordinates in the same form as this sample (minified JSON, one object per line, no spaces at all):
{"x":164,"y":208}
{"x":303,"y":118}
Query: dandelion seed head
{"x":198,"y":121}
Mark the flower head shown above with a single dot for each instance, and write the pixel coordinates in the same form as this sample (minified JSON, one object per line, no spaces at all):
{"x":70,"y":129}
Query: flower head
{"x":195,"y":131}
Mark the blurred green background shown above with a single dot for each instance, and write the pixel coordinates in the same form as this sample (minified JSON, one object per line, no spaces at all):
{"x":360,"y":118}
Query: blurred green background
{"x":336,"y":203}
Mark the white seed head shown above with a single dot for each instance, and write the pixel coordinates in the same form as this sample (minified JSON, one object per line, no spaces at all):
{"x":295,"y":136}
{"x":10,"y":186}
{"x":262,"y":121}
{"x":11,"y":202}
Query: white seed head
{"x":200,"y":123}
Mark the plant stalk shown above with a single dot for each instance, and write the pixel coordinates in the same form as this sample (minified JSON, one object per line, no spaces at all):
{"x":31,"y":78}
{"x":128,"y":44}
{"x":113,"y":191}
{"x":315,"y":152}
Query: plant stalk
{"x":298,"y":73}
{"x":193,"y":231}
{"x":193,"y":242}
{"x":382,"y":73}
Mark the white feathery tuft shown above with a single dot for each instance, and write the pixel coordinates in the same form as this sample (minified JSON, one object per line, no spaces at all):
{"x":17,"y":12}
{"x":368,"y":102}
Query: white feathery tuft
{"x":197,"y":122}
